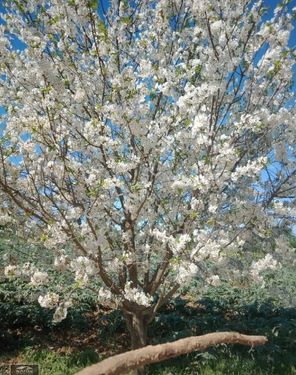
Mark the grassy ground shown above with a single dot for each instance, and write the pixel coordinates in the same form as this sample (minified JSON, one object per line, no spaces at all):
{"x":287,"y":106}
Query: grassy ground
{"x":89,"y":335}
{"x":222,"y":362}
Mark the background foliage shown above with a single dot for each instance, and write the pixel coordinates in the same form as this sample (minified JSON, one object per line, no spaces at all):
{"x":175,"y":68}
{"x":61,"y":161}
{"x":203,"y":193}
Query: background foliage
{"x":93,"y":332}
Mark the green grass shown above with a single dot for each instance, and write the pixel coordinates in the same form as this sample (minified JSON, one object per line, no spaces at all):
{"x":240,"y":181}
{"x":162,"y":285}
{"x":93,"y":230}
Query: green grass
{"x":55,"y":363}
{"x":225,"y":362}
{"x":219,"y":361}
{"x":247,"y":310}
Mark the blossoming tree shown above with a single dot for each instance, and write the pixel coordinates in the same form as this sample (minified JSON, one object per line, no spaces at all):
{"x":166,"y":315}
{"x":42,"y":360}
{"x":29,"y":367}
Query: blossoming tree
{"x":146,"y":143}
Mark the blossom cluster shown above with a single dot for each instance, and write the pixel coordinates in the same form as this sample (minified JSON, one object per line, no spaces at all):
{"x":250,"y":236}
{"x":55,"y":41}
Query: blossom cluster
{"x":83,"y":268}
{"x":268,"y":262}
{"x":155,"y":143}
{"x":136,"y":295}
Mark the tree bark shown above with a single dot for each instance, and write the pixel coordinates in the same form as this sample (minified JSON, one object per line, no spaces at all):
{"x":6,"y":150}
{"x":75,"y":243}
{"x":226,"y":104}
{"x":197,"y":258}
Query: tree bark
{"x":137,"y":324}
{"x":122,"y":363}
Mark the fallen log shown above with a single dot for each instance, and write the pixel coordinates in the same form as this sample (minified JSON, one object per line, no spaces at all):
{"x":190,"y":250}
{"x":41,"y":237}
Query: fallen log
{"x":131,"y":360}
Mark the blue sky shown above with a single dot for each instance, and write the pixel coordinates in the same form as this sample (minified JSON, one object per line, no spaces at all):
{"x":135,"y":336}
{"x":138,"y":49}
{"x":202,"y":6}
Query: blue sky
{"x":268,"y":3}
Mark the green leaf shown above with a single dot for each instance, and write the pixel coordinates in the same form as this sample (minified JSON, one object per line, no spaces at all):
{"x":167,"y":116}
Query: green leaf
{"x":198,"y":69}
{"x":126,"y":20}
{"x":93,"y":4}
{"x":187,"y":122}
{"x":102,"y":28}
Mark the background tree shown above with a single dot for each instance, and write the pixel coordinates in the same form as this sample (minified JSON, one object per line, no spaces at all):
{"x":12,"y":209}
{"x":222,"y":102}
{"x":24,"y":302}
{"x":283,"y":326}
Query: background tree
{"x":147,"y":144}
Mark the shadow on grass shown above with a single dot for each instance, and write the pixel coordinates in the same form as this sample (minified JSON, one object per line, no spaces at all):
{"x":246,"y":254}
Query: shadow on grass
{"x":231,"y":311}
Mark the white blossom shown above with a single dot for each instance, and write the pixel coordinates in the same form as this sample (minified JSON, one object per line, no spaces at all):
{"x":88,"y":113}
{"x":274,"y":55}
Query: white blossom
{"x":60,"y":314}
{"x":28,"y":269}
{"x":12,"y":271}
{"x":213,"y":280}
{"x":104,"y":294}
{"x":185,"y":272}
{"x":79,"y":96}
{"x":61,"y":261}
{"x":83,"y":268}
{"x":49,"y":301}
{"x":136,"y":295}
{"x":268,"y":262}
{"x":39,"y":278}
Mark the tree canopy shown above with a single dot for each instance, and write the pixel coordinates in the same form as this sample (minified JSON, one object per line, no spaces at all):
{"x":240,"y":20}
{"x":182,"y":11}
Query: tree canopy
{"x":153,"y":139}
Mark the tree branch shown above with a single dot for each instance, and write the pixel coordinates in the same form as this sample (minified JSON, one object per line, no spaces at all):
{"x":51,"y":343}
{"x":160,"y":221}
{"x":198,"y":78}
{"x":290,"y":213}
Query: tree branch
{"x":121,"y":363}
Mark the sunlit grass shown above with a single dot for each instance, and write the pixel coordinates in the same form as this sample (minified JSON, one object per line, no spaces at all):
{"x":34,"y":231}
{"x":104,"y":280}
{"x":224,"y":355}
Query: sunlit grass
{"x":62,"y":350}
{"x":222,"y":361}
{"x":56,"y":363}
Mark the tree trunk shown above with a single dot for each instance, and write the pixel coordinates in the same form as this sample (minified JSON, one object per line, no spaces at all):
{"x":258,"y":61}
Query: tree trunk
{"x":137,"y":324}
